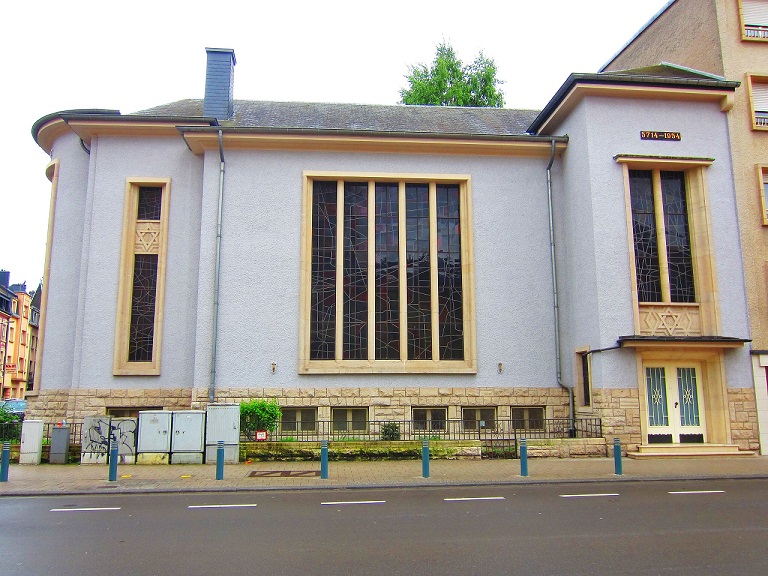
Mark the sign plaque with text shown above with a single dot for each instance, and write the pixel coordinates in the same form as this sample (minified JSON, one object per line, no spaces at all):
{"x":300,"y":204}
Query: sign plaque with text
{"x":659,"y":135}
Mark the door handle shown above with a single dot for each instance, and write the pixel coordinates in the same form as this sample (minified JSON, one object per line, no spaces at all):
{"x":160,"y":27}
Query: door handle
{"x":676,"y":404}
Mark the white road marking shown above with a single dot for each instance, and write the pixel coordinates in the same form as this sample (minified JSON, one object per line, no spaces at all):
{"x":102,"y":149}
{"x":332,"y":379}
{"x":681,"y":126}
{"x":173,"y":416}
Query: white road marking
{"x":353,"y":502}
{"x":698,"y":492}
{"x":478,"y":498}
{"x":223,"y":506}
{"x":82,"y":509}
{"x":585,"y":495}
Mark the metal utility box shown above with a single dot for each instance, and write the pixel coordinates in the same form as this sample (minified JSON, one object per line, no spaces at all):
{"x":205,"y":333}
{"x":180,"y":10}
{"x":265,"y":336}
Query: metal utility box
{"x":94,"y":440}
{"x":188,"y":437}
{"x":222,"y":423}
{"x":31,"y":451}
{"x":59,"y":445}
{"x":154,"y":445}
{"x":124,"y":430}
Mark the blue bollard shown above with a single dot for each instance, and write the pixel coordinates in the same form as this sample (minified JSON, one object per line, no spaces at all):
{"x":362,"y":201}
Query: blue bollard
{"x":425,"y":458}
{"x":5,"y":462}
{"x":113,"y":451}
{"x":617,"y":456}
{"x":220,"y":460}
{"x":324,"y":459}
{"x":523,"y":457}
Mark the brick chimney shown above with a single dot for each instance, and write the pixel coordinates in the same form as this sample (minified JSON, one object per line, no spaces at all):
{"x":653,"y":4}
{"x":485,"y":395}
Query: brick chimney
{"x":219,"y":81}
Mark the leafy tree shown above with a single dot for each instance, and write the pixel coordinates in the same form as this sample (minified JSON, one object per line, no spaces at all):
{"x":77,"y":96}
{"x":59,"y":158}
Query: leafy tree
{"x":448,"y":82}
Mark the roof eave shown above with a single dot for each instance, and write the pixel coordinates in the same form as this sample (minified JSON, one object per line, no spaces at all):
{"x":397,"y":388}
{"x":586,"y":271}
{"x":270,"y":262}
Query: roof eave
{"x":632,"y":86}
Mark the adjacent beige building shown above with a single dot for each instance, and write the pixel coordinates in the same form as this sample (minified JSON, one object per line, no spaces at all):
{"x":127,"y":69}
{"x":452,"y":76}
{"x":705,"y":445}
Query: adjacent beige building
{"x":728,"y":38}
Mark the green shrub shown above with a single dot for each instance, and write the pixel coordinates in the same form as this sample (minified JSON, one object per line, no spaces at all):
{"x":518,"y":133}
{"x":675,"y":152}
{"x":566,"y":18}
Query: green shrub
{"x":8,"y":416}
{"x":390,"y":431}
{"x":259,"y":415}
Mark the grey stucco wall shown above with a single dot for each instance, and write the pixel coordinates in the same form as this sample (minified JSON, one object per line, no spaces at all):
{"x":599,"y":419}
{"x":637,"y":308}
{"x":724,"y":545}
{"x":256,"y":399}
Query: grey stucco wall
{"x":260,"y":256}
{"x":92,"y":323}
{"x":66,"y":251}
{"x":258,"y":322}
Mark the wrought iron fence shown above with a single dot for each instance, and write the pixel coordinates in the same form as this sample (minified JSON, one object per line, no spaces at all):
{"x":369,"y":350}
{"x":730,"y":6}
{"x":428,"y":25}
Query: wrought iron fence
{"x":410,"y":430}
{"x":75,"y":431}
{"x":10,"y":432}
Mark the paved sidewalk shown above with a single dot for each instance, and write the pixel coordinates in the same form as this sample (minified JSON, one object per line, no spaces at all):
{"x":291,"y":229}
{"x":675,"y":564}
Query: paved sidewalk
{"x":49,"y":479}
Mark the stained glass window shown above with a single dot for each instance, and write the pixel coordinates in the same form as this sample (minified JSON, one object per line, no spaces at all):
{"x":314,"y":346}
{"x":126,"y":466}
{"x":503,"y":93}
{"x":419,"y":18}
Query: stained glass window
{"x":656,"y":387}
{"x":355,"y":271}
{"x":397,"y":301}
{"x":323,"y":281}
{"x":141,"y":335}
{"x":649,"y":250}
{"x":678,"y":239}
{"x":689,"y":397}
{"x":150,"y":203}
{"x":644,"y":231}
{"x":449,"y":285}
{"x":387,"y":272}
{"x":419,"y":283}
{"x":142,"y":331}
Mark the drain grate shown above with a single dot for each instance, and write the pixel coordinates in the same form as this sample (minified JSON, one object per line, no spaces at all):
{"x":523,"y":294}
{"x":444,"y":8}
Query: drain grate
{"x":284,"y":473}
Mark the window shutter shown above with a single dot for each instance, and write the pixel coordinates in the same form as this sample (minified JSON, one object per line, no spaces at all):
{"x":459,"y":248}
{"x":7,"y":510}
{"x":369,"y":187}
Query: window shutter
{"x":755,"y":12}
{"x":760,"y":96}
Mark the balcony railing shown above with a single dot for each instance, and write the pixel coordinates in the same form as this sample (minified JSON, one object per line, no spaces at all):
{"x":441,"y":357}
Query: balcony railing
{"x":761,"y":118}
{"x":753,"y":31}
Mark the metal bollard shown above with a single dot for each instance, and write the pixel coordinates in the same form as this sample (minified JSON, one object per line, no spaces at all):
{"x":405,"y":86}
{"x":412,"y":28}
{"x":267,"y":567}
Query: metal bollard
{"x":5,"y":462}
{"x":523,"y":457}
{"x":113,"y":451}
{"x":617,"y":456}
{"x":324,"y":459}
{"x":425,"y":458}
{"x":220,"y":460}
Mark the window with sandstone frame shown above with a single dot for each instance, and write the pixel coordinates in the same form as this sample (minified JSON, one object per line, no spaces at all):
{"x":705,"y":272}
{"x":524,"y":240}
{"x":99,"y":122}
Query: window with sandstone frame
{"x":754,"y":19}
{"x":762,"y":182}
{"x":671,"y":252}
{"x":386,"y":274}
{"x":138,"y":329}
{"x":758,"y":100}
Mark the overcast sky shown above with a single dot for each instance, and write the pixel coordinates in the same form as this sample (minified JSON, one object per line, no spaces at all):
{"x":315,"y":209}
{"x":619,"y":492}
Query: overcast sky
{"x":59,"y":55}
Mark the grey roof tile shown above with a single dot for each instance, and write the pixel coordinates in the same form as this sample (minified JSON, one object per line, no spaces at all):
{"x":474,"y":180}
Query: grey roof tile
{"x":362,"y":117}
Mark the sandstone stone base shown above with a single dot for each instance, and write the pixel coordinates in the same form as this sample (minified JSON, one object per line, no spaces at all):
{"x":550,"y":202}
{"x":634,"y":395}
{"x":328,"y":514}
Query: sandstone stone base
{"x":382,"y":403}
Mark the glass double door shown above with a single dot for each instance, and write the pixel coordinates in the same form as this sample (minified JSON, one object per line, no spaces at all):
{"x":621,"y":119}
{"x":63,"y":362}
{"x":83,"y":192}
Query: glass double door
{"x":674,"y":404}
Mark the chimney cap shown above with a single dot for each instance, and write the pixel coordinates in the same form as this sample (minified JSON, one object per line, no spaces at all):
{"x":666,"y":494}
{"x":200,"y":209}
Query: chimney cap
{"x":223,"y":50}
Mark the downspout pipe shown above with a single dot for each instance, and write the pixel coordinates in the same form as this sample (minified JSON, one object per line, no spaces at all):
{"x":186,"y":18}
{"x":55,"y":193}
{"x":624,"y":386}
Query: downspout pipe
{"x":216,"y":273}
{"x":558,"y":353}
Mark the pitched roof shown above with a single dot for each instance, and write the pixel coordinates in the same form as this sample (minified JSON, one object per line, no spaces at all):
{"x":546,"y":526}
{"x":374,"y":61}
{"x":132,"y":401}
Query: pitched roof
{"x":401,"y":119}
{"x":661,"y":75}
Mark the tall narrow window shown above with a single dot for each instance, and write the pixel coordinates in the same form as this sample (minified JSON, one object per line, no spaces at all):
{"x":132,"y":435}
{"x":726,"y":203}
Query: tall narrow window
{"x":663,"y":258}
{"x":142,"y":278}
{"x":419,"y":287}
{"x":355,"y":271}
{"x":387,"y":272}
{"x":387,"y":276}
{"x":449,"y":273}
{"x":323,"y":283}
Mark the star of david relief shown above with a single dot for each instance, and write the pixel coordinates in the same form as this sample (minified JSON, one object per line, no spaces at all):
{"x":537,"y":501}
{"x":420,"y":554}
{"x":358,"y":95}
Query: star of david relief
{"x":147,"y":238}
{"x":670,"y":321}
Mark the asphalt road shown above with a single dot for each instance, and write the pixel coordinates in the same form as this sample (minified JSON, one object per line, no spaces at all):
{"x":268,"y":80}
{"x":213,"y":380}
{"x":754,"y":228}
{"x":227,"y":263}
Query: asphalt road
{"x":618,"y":528}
